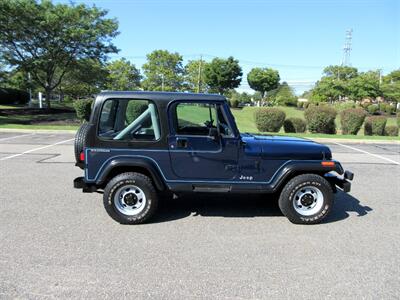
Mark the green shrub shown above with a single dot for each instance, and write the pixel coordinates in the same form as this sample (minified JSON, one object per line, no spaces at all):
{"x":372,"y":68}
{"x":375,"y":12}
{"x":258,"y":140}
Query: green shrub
{"x":135,"y":109}
{"x":373,"y":109}
{"x":299,"y":104}
{"x":387,"y":108}
{"x":234,"y":103}
{"x":392,"y":130}
{"x":269,"y":119}
{"x":342,"y":105}
{"x":321,"y":119}
{"x":83,"y":108}
{"x":351,"y":120}
{"x":13,"y":96}
{"x":375,"y":125}
{"x":296,"y":125}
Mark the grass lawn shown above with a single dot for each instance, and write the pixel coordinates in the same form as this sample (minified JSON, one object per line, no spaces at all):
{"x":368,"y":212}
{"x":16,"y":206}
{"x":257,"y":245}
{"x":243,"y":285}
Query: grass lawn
{"x":60,"y":117}
{"x":245,"y":121}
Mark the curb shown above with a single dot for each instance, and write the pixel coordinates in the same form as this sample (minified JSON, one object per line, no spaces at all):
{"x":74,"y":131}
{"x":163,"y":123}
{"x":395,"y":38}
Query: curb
{"x":354,"y":141}
{"x":37,"y":130}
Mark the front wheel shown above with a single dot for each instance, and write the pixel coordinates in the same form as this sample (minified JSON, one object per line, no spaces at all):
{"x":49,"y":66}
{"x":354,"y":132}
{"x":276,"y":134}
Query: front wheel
{"x":130,"y":198}
{"x":306,"y":199}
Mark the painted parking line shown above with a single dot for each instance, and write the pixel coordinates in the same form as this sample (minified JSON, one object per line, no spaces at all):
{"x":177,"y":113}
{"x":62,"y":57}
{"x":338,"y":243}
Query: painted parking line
{"x":16,"y":136}
{"x":369,"y":153}
{"x":35,"y":149}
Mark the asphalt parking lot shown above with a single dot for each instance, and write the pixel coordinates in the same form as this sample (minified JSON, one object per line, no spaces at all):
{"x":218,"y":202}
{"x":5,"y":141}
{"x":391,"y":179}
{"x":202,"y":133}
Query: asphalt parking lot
{"x":56,"y":242}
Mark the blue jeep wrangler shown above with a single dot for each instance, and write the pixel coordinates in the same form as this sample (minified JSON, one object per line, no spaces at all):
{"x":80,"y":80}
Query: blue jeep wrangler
{"x":140,"y":145}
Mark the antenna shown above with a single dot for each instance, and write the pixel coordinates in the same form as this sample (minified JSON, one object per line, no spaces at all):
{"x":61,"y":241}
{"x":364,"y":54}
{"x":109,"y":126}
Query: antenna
{"x":347,"y":48}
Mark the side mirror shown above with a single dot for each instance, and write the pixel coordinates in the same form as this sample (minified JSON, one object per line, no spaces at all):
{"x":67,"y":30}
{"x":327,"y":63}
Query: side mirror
{"x":213,"y":133}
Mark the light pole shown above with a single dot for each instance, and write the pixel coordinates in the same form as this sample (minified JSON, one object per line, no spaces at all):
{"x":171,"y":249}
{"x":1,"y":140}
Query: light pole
{"x":30,"y":89}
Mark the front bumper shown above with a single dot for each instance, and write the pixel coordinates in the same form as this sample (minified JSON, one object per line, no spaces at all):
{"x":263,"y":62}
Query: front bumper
{"x":342,"y":182}
{"x":79,"y":183}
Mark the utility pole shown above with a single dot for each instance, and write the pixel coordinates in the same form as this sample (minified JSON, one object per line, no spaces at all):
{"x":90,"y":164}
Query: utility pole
{"x":162,"y":82}
{"x":199,"y":77}
{"x":380,"y":76}
{"x":347,"y":48}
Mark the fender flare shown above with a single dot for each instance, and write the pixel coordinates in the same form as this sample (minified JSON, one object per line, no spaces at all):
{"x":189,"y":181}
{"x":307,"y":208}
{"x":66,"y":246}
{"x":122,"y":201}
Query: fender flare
{"x":140,"y":162}
{"x":303,"y":166}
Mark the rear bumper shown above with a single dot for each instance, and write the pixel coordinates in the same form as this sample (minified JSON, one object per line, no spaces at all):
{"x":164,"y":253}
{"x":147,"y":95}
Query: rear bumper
{"x":79,"y":183}
{"x":342,"y":182}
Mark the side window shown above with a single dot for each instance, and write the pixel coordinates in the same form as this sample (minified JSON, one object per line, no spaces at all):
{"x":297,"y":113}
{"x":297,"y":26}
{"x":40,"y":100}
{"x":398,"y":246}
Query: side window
{"x":223,"y":124}
{"x":195,"y":118}
{"x":124,"y":119}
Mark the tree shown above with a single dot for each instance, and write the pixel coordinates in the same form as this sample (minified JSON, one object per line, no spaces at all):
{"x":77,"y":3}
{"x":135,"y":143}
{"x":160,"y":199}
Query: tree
{"x":194,"y":76}
{"x":393,"y":76}
{"x":122,"y":76}
{"x":45,"y":38}
{"x":263,"y":80}
{"x":163,"y":71}
{"x":341,"y":72}
{"x":365,"y":85}
{"x":284,"y":96}
{"x":223,"y":74}
{"x":84,"y":78}
{"x":391,"y":86}
{"x":328,"y":89}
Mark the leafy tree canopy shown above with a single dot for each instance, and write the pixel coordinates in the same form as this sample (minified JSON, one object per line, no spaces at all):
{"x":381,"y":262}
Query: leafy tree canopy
{"x":283,"y":96}
{"x":365,"y":85}
{"x":341,"y":72}
{"x":328,"y":89}
{"x":263,"y":79}
{"x":84,"y":78}
{"x":194,"y":76}
{"x":163,"y":71}
{"x":223,"y":74}
{"x":45,"y":38}
{"x":122,"y":76}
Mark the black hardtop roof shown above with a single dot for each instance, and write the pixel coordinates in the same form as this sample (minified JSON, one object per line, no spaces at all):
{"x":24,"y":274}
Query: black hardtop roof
{"x":160,"y":96}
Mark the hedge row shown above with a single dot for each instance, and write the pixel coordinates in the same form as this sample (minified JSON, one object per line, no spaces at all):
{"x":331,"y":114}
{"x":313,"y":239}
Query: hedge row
{"x":12,"y":96}
{"x":321,"y":119}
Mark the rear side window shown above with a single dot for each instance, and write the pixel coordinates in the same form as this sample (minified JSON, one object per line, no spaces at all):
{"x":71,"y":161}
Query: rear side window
{"x":124,"y":119}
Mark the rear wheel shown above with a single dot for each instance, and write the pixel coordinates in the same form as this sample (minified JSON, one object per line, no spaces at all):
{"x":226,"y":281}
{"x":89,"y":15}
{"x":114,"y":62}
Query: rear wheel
{"x":130,"y":198}
{"x":306,"y":199}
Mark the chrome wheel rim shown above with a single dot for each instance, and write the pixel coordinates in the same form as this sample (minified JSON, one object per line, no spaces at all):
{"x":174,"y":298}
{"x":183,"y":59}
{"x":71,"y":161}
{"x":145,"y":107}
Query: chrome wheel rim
{"x":308,"y":200}
{"x":130,"y":200}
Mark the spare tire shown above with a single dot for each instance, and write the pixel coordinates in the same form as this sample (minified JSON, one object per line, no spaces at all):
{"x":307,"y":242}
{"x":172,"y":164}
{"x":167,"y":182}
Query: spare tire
{"x":81,"y":140}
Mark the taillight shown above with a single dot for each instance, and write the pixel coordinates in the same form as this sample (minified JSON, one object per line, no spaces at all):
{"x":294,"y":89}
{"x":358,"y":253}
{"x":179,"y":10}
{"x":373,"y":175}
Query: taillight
{"x":82,"y":156}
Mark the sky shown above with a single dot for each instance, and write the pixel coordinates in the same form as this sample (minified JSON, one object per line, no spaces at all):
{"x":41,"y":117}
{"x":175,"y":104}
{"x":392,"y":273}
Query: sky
{"x":296,"y":37}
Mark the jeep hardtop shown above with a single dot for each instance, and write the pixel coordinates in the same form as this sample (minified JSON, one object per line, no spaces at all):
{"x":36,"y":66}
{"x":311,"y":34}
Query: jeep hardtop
{"x":138,"y":146}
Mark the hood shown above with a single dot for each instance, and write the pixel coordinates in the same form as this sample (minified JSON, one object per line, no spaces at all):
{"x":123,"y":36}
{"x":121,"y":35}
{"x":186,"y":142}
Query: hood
{"x":284,"y":147}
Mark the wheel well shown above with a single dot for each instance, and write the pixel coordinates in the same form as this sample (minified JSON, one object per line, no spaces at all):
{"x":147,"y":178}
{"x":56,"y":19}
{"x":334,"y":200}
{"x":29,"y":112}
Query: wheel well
{"x":294,"y":174}
{"x":123,"y":169}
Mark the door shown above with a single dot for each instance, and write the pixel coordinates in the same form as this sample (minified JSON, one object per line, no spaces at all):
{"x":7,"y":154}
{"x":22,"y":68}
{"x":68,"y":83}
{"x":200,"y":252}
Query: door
{"x":202,"y":144}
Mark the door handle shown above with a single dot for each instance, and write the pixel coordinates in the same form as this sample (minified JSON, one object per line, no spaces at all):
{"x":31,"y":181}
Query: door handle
{"x":181,"y":143}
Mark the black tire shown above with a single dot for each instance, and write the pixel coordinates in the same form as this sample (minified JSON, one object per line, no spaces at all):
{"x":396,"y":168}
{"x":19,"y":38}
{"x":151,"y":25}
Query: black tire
{"x":301,"y":185}
{"x":142,"y":182}
{"x":81,"y":140}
